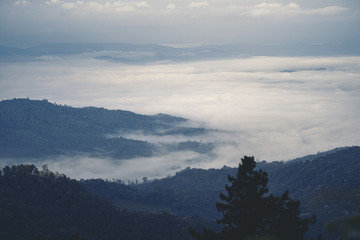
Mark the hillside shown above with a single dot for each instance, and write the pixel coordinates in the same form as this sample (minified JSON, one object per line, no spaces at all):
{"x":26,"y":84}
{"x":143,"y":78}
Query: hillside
{"x":39,"y":129}
{"x":35,"y":204}
{"x":327,"y":186}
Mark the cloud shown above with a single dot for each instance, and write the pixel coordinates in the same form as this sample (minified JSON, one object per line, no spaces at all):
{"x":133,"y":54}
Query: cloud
{"x":86,"y":167}
{"x":256,"y":10}
{"x":275,"y":108}
{"x":198,"y":5}
{"x":291,"y":9}
{"x":171,"y":6}
{"x":270,"y":107}
{"x":272,"y":8}
{"x":54,"y":2}
{"x":21,"y":3}
{"x":328,"y":10}
{"x":209,"y":22}
{"x":96,"y":6}
{"x":65,"y":5}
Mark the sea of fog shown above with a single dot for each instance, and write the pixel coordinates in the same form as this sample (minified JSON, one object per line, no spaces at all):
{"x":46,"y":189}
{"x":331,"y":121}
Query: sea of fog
{"x":274,"y":108}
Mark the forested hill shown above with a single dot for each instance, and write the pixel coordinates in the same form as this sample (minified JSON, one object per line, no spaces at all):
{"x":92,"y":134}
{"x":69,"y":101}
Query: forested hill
{"x":327,"y":186}
{"x":35,"y":129}
{"x":42,"y":205}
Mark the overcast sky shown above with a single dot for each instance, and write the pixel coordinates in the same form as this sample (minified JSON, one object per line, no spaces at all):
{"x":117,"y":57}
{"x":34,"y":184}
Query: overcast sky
{"x":29,"y":22}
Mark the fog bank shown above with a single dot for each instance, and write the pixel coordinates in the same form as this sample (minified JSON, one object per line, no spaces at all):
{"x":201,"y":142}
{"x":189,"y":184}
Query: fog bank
{"x":274,"y":108}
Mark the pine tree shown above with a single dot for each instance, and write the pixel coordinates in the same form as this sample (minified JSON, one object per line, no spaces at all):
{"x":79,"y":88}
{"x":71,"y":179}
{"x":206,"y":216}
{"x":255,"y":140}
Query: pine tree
{"x":249,"y":212}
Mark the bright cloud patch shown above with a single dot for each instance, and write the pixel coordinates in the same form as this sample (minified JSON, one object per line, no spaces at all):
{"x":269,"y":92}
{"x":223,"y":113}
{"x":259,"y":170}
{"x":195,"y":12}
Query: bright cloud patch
{"x":329,"y":10}
{"x":118,"y":6}
{"x":264,"y":9}
{"x":171,"y":6}
{"x":21,"y":2}
{"x":198,"y":4}
{"x":260,"y":9}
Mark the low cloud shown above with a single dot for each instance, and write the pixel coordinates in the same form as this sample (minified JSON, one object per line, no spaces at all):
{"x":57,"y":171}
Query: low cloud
{"x":86,"y":167}
{"x":275,"y":108}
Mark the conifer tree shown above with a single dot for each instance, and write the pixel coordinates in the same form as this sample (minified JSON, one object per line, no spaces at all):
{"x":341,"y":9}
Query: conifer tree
{"x":249,"y":212}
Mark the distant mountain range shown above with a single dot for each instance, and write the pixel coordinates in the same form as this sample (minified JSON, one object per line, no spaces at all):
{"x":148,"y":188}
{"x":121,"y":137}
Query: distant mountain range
{"x":37,"y":129}
{"x":128,"y":53}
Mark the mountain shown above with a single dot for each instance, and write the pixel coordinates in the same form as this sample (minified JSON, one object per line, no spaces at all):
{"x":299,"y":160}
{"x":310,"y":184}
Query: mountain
{"x":311,"y":157}
{"x":125,"y":53}
{"x":34,"y":129}
{"x":128,"y":53}
{"x":327,"y":186}
{"x":45,"y":205}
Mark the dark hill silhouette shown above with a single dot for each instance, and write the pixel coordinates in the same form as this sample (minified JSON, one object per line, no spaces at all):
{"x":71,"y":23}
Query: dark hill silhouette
{"x":36,"y":204}
{"x":327,"y":186}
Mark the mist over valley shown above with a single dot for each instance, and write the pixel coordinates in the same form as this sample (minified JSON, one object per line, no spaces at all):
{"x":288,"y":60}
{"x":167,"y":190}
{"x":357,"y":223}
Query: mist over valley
{"x":276,"y":108}
{"x":179,"y":120}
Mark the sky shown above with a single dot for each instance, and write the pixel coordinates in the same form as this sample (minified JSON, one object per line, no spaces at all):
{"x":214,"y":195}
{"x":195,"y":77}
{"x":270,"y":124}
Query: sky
{"x":272,"y":107}
{"x":186,"y":22}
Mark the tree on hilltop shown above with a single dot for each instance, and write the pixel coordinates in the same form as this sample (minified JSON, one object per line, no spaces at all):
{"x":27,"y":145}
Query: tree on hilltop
{"x":249,"y":212}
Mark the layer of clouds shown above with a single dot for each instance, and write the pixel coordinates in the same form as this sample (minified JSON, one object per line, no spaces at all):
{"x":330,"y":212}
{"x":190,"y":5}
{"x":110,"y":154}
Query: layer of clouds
{"x":271,"y":107}
{"x":86,"y":167}
{"x":28,"y":22}
{"x":252,"y":8}
{"x":91,"y":6}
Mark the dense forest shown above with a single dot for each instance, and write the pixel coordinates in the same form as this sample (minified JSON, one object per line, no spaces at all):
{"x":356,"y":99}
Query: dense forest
{"x":37,"y":129}
{"x":40,"y":204}
{"x":327,"y":186}
{"x":45,"y":205}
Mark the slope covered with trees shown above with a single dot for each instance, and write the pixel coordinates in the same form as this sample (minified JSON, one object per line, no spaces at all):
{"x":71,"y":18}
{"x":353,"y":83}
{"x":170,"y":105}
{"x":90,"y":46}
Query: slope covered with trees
{"x":37,"y":129}
{"x":45,"y":205}
{"x":37,"y":203}
{"x":327,"y":186}
{"x":249,"y":212}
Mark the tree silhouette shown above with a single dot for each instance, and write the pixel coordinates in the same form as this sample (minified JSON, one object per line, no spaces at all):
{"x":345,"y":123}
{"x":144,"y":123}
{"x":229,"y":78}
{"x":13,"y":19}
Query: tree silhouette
{"x":249,"y":212}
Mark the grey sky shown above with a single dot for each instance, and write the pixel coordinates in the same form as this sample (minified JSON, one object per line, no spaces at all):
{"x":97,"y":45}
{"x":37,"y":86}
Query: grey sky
{"x":29,"y":22}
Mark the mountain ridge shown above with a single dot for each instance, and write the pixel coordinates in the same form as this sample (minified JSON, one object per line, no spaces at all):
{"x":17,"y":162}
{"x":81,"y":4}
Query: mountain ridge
{"x":40,"y":129}
{"x":129,"y":53}
{"x":327,"y":186}
{"x":45,"y":205}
